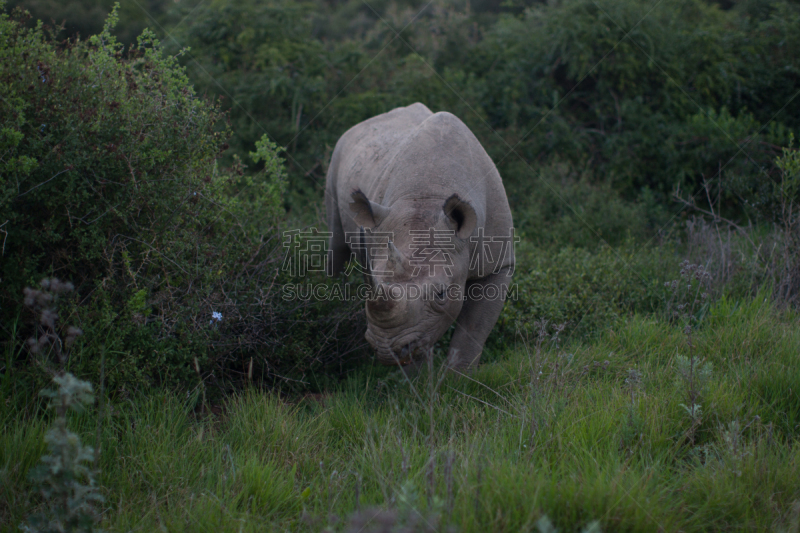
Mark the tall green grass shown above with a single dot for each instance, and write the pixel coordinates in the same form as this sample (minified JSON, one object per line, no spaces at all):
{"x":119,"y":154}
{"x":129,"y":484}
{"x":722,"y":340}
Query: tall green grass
{"x":563,"y":431}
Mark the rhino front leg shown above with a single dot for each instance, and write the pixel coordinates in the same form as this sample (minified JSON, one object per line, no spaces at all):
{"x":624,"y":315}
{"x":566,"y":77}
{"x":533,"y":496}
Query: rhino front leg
{"x":477,"y":318}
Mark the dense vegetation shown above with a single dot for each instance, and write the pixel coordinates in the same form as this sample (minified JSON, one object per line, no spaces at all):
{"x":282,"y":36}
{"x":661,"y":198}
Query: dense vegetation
{"x":110,"y":180}
{"x":633,"y":99}
{"x":595,"y":114}
{"x":155,"y":170}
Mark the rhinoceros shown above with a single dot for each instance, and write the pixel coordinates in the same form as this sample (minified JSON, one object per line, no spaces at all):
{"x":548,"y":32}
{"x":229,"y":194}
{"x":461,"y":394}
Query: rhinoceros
{"x":417,"y":198}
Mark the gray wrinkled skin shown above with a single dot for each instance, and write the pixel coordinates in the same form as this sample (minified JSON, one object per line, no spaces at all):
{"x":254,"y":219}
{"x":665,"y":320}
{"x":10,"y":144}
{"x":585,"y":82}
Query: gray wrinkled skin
{"x":411,"y":169}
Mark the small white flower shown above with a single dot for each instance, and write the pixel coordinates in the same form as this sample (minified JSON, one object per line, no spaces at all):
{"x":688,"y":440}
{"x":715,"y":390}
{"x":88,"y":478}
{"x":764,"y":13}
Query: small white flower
{"x":216,"y":316}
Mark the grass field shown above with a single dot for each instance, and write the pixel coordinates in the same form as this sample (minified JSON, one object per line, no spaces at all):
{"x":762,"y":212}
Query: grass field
{"x":581,"y":432}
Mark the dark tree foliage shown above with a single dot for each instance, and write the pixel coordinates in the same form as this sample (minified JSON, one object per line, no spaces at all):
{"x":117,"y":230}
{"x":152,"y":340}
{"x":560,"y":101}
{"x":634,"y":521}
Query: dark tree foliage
{"x":636,"y":97}
{"x":84,"y":18}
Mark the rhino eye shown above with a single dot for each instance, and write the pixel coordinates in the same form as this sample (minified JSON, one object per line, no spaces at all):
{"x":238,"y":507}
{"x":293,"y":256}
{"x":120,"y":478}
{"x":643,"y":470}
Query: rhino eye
{"x":439,"y":298}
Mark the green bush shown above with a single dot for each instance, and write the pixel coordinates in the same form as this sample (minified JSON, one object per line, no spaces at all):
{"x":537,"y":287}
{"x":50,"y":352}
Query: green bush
{"x":66,"y":476}
{"x":587,"y":292}
{"x":651,"y":95}
{"x":561,"y":206}
{"x":110,"y":180}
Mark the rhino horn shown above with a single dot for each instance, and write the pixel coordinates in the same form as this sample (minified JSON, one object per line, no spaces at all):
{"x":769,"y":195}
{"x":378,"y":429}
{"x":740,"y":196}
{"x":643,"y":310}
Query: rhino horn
{"x":395,"y":262}
{"x":366,"y":213}
{"x":365,"y":259}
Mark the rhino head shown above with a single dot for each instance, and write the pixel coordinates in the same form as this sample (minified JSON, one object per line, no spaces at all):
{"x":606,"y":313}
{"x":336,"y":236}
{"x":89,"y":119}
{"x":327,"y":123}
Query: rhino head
{"x":415,"y":256}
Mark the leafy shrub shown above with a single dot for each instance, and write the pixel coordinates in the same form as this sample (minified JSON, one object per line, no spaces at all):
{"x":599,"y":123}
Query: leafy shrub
{"x":47,"y":337}
{"x":109,"y":179}
{"x":66,"y":477}
{"x":652,"y":96}
{"x":101,"y":151}
{"x":587,"y":291}
{"x":562,"y":206}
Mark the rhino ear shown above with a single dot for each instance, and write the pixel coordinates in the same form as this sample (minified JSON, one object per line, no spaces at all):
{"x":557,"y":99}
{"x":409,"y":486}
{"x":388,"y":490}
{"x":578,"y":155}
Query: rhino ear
{"x":460,"y":215}
{"x":367,"y":214}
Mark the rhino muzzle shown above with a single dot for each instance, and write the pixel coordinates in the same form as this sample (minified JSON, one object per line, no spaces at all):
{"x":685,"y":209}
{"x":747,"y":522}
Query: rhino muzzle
{"x":408,"y":353}
{"x":395,"y":351}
